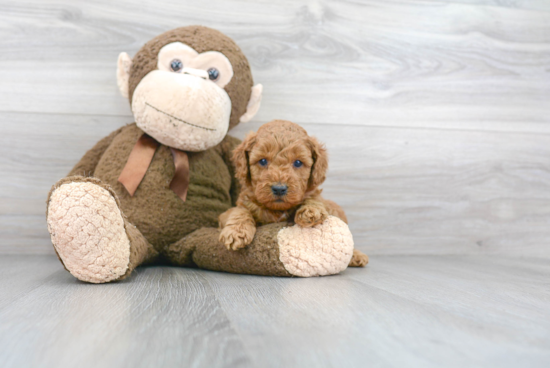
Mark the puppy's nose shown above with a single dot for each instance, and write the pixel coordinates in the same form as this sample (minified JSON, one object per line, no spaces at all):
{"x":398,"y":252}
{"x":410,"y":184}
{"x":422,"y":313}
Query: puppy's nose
{"x":279,"y":189}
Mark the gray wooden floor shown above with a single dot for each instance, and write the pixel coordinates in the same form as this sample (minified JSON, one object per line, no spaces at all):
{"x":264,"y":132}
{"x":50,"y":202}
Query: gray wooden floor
{"x":401,"y":311}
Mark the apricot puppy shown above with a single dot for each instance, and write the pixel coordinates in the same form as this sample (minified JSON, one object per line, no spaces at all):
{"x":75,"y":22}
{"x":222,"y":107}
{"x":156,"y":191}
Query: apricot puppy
{"x":280,"y":169}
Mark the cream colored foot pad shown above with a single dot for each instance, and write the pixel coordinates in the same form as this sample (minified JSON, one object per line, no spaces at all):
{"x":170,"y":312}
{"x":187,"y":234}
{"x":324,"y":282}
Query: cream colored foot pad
{"x":87,"y":230}
{"x":324,"y":249}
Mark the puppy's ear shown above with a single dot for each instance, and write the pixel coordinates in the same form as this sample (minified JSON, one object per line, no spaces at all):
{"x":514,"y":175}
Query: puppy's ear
{"x":240,"y":159}
{"x":320,"y":163}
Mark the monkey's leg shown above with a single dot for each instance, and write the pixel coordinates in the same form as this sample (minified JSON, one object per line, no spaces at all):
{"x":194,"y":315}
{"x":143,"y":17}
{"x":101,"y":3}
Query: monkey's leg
{"x":359,"y":259}
{"x":90,"y":234}
{"x":276,"y":250}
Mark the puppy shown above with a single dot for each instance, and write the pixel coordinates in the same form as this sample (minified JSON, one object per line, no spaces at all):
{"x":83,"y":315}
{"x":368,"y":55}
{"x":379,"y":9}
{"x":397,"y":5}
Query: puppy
{"x":280,"y":169}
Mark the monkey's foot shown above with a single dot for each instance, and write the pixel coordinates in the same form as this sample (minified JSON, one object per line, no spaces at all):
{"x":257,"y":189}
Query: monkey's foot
{"x":324,"y":249}
{"x":87,"y":231}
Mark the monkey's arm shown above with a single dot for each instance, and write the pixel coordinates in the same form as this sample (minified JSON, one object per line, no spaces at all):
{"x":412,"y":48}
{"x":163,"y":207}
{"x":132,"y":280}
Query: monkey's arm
{"x":238,"y":228}
{"x":87,"y":164}
{"x":228,"y":145}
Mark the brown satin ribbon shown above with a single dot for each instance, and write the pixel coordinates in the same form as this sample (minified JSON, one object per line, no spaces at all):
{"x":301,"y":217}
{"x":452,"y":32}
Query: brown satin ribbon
{"x":139,"y":160}
{"x":180,"y":181}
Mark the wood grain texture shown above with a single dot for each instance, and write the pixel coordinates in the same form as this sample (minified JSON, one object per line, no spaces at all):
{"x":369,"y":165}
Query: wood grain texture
{"x":164,"y":316}
{"x":469,"y":65}
{"x":413,"y":311}
{"x":406,"y":191}
{"x":435,"y":113}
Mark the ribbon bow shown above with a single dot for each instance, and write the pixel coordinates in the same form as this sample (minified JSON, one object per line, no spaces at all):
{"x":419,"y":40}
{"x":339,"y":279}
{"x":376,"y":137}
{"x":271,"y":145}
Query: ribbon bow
{"x":140,"y":159}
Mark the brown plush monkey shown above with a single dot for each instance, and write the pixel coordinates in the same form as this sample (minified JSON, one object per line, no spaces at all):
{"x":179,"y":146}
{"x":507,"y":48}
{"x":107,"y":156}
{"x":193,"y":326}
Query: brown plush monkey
{"x":152,"y":190}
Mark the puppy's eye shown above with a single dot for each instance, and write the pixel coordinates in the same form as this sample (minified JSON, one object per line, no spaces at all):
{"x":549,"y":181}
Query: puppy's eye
{"x":263,"y":162}
{"x":176,"y":65}
{"x":298,"y":163}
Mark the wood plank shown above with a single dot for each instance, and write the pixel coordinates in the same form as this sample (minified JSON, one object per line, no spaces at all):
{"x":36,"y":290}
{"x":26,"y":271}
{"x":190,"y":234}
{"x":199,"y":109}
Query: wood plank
{"x":36,"y":150}
{"x":471,"y":286}
{"x":469,"y":65}
{"x":163,"y":317}
{"x":428,"y":311}
{"x":406,"y":191}
{"x":21,"y":274}
{"x":399,"y":311}
{"x":522,"y":4}
{"x":421,"y":191}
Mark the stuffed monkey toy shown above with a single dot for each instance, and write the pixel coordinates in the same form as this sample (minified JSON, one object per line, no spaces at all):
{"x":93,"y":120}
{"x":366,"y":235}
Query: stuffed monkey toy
{"x":152,"y":191}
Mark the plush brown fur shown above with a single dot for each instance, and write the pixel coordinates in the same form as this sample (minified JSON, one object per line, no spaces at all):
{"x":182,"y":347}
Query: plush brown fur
{"x":160,"y":226}
{"x":160,"y":215}
{"x":281,"y":143}
{"x":199,"y":248}
{"x":201,"y":39}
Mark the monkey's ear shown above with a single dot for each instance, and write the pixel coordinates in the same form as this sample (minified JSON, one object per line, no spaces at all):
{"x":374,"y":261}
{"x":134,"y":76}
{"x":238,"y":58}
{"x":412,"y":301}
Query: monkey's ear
{"x":253,"y":104}
{"x":240,"y":159}
{"x":123,"y":73}
{"x":320,"y":163}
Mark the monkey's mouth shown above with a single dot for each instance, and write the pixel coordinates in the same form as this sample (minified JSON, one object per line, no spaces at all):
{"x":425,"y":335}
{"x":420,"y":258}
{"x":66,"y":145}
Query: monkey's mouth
{"x":178,"y":119}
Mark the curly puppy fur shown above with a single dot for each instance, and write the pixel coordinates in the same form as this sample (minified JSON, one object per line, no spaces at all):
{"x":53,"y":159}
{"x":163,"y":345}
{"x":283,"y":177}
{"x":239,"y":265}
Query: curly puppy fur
{"x":280,"y":169}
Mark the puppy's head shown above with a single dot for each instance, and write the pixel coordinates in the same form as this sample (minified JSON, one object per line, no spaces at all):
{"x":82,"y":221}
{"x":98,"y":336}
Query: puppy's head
{"x":280,"y":164}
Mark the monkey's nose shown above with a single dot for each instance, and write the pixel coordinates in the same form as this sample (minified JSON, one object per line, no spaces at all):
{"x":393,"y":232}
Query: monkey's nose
{"x":196,"y":72}
{"x":279,"y":189}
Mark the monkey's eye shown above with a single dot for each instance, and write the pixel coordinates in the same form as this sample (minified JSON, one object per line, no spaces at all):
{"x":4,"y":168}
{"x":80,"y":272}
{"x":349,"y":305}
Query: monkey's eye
{"x":298,"y":163}
{"x":263,"y":162}
{"x":176,"y":65}
{"x":213,"y":74}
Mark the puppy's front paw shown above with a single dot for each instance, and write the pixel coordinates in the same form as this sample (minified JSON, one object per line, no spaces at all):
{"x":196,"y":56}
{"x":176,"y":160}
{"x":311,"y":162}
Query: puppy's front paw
{"x":236,"y":237}
{"x":308,"y":216}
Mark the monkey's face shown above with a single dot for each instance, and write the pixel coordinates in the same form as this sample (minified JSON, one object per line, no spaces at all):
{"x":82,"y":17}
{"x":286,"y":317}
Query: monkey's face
{"x":188,"y":86}
{"x":183,"y":103}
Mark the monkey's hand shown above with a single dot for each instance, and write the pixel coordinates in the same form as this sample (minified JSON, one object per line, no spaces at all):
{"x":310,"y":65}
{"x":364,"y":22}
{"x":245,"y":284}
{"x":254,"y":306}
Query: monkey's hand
{"x":310,"y":214}
{"x":237,"y":236}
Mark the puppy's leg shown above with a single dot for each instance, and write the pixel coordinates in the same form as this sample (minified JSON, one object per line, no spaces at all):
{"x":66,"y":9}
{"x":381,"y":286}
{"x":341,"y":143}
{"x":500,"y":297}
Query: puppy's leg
{"x":312,"y":212}
{"x":238,"y":228}
{"x":335,"y":210}
{"x":222,"y":219}
{"x":359,"y":259}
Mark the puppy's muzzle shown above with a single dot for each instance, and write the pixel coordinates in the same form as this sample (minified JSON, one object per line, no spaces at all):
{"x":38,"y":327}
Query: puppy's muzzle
{"x":279,"y":190}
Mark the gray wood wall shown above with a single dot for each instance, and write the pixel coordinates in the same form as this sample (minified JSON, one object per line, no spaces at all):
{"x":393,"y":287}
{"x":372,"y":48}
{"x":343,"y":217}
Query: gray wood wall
{"x":436,"y":113}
